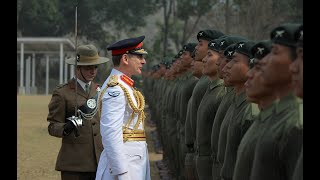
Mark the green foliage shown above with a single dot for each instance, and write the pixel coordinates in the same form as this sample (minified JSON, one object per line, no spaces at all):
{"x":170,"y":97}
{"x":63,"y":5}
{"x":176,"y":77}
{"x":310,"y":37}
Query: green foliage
{"x":39,"y":18}
{"x":57,"y":17}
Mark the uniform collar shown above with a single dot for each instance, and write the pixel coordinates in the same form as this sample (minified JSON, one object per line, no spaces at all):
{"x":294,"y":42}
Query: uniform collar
{"x":83,"y":84}
{"x":126,"y":79}
{"x":287,"y":102}
{"x":215,"y":83}
{"x":268,"y":111}
{"x":240,"y":99}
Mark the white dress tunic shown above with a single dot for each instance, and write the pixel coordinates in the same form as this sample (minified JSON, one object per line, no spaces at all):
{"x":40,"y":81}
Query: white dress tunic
{"x":118,"y":156}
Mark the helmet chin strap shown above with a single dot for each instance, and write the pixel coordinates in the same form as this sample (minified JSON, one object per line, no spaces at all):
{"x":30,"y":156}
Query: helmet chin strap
{"x":82,"y":75}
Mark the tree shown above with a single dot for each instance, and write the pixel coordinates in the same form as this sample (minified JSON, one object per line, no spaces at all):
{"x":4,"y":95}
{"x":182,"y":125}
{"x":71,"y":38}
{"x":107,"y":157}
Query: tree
{"x":38,"y":17}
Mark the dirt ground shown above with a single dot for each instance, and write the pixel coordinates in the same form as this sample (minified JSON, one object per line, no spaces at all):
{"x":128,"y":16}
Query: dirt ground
{"x":37,"y":150}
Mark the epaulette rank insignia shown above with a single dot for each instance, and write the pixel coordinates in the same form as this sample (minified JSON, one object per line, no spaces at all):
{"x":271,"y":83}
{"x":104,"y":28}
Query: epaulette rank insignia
{"x":113,"y":81}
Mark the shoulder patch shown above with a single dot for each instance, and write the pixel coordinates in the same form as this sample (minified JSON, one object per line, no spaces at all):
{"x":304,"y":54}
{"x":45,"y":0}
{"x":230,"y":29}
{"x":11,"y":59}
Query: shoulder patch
{"x":113,"y":81}
{"x":114,"y":93}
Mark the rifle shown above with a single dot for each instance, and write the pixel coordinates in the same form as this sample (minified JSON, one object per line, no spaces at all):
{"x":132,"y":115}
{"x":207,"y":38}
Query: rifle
{"x":76,"y":119}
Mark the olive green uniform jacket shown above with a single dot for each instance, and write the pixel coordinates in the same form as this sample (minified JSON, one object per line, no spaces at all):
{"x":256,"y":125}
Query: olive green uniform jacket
{"x":245,"y":113}
{"x":205,"y":118}
{"x":197,"y":95}
{"x":82,"y":153}
{"x":278,"y":148}
{"x":298,"y":171}
{"x":221,"y":112}
{"x":247,"y":145}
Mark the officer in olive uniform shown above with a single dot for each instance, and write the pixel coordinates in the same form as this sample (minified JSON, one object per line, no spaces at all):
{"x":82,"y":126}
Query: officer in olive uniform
{"x":263,"y":96}
{"x":219,"y":45}
{"x":218,"y":161}
{"x":243,"y":112}
{"x":296,"y":69}
{"x":278,"y":148}
{"x":81,"y":140}
{"x":188,"y":82}
{"x":206,"y":113}
{"x":201,"y":50}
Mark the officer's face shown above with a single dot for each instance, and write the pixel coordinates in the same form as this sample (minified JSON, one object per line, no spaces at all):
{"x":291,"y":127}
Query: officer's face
{"x":201,"y":49}
{"x":237,"y":69}
{"x":88,"y":72}
{"x":296,"y":69}
{"x":275,"y":71}
{"x":136,"y":62}
{"x":210,"y":67}
{"x":255,"y":88}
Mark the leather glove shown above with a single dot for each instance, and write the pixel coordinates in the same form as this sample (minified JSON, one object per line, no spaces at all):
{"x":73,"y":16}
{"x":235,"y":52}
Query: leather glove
{"x":68,"y":128}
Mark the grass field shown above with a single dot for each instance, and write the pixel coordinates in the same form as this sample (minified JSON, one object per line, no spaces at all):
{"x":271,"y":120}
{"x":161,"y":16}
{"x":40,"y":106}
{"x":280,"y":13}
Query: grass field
{"x":37,"y":150}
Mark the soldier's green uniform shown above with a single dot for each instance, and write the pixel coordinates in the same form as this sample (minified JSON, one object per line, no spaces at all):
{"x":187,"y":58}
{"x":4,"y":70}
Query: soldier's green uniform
{"x":165,"y":111}
{"x":277,"y":150}
{"x":298,"y":171}
{"x":171,"y":126}
{"x":246,"y":148}
{"x":196,"y":98}
{"x":223,"y":133}
{"x":187,"y":88}
{"x":221,"y":112}
{"x":219,"y":45}
{"x":205,"y":117}
{"x":241,"y":120}
{"x":189,"y":140}
{"x":194,"y":101}
{"x":222,"y":137}
{"x":179,"y":84}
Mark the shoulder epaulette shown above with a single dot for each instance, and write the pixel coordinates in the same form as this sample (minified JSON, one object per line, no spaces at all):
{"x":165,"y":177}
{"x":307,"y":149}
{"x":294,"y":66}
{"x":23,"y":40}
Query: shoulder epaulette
{"x":61,"y":85}
{"x":113,"y":81}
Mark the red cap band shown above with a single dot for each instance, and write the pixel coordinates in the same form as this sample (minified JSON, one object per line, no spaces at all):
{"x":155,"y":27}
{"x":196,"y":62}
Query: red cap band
{"x":124,"y":50}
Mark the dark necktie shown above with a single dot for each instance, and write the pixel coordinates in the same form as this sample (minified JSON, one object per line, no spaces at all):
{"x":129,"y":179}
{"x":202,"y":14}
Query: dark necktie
{"x":87,"y":88}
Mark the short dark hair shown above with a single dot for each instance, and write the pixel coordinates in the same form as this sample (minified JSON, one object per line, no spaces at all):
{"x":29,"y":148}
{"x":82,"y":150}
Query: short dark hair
{"x":116,"y":60}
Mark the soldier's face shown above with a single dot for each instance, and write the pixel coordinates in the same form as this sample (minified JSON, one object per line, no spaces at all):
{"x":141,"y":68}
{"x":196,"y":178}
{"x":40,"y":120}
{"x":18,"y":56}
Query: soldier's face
{"x":275,"y":70}
{"x":210,"y":67}
{"x":201,"y":49}
{"x":237,"y":69}
{"x":296,"y":69}
{"x":196,"y":68}
{"x":186,"y":59}
{"x":162,"y":69}
{"x":221,"y":62}
{"x":88,"y":72}
{"x":255,"y":88}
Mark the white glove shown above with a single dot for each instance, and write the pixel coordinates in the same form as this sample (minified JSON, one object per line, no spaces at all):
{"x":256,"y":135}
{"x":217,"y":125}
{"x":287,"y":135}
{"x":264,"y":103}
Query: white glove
{"x":124,"y":176}
{"x":77,"y":121}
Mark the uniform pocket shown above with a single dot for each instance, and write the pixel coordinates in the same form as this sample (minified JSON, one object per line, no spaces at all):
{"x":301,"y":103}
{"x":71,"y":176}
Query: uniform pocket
{"x":134,"y":152}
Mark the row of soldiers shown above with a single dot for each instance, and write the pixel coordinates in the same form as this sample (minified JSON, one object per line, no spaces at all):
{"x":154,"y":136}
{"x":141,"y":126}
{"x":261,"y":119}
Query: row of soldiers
{"x":228,"y":108}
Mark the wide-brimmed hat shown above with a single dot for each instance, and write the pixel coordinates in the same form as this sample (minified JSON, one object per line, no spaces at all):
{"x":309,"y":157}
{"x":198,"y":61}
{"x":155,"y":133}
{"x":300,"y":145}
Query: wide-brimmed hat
{"x":87,"y":55}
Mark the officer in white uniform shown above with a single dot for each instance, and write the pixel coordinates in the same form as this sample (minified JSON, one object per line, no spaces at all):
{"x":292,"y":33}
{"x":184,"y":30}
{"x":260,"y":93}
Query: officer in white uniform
{"x":125,"y":154}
